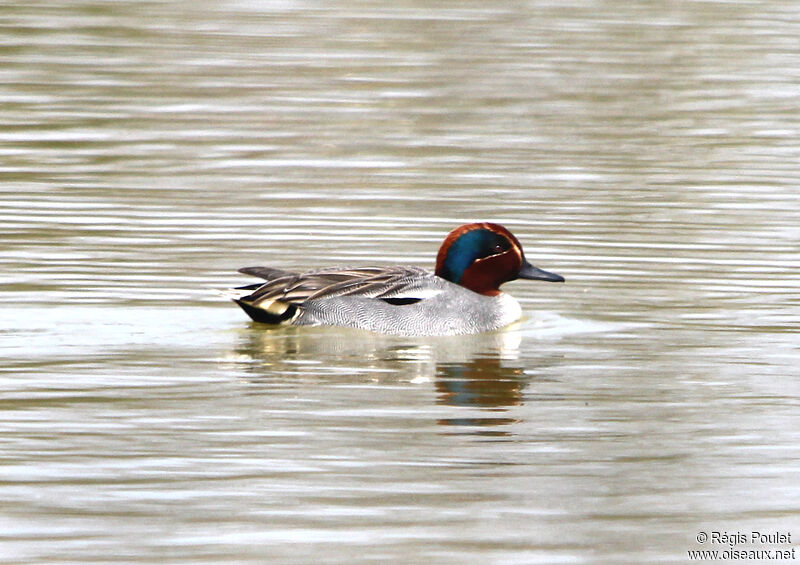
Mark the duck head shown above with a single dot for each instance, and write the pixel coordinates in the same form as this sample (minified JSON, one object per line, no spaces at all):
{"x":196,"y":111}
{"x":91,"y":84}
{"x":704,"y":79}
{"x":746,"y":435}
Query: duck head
{"x":483,"y":256}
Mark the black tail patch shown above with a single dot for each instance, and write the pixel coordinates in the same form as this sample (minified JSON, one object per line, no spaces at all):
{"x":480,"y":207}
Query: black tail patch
{"x":264,"y":317}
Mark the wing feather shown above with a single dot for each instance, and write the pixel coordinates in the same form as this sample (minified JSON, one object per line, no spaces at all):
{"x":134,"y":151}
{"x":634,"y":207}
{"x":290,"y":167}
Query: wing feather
{"x":266,"y":273}
{"x":368,"y":282}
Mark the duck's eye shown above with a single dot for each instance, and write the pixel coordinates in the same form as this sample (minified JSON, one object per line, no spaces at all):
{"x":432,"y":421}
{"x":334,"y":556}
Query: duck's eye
{"x":495,"y":249}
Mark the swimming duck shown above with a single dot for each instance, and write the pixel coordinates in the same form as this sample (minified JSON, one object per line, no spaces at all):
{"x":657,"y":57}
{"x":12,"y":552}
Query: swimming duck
{"x":461,"y":297}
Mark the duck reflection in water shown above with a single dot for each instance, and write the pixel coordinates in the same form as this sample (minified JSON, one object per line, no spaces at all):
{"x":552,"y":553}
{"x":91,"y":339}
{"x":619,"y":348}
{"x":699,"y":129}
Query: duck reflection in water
{"x":484,"y":383}
{"x":469,"y":372}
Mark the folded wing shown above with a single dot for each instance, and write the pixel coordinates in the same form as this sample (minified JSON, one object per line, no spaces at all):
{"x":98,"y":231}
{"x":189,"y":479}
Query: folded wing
{"x":399,"y":285}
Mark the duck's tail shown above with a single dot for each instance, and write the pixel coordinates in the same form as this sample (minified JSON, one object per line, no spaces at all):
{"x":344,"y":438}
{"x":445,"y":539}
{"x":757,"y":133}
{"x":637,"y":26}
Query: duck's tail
{"x":265,"y":311}
{"x":274,"y":312}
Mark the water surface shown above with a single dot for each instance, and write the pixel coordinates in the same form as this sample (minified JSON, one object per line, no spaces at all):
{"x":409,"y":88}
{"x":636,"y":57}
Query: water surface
{"x":646,"y":152}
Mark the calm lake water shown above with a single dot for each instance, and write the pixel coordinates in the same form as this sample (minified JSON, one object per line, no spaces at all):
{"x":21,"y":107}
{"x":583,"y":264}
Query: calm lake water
{"x":646,"y":151}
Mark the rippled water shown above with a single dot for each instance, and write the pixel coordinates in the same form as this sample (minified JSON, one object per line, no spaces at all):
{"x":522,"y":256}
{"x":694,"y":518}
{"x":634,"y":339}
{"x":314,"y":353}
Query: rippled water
{"x":648,"y":152}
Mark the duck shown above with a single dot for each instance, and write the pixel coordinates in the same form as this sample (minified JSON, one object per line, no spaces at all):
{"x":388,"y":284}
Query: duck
{"x":462,"y":295}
